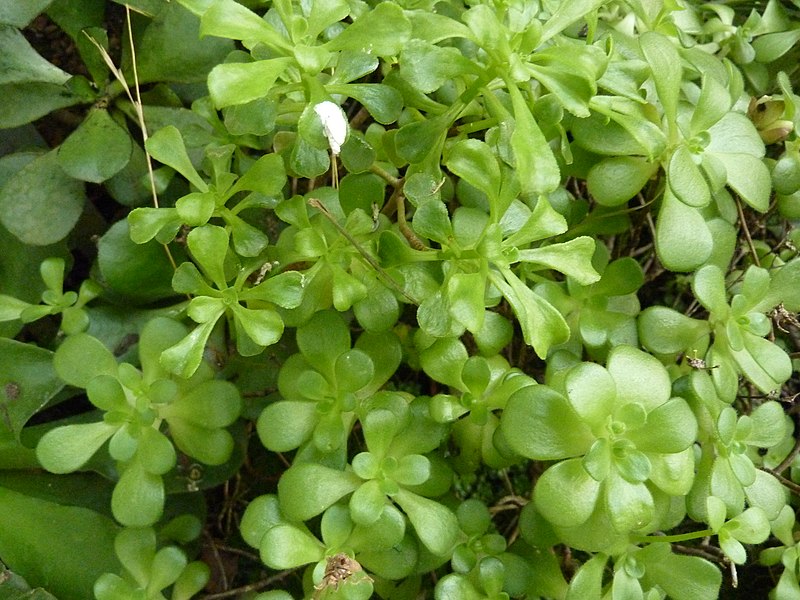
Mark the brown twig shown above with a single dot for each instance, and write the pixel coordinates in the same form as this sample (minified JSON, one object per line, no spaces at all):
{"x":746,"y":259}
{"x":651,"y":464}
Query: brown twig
{"x":251,"y":587}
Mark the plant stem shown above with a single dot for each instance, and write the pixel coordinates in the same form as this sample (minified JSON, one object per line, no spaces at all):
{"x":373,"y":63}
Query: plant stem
{"x":681,"y":537}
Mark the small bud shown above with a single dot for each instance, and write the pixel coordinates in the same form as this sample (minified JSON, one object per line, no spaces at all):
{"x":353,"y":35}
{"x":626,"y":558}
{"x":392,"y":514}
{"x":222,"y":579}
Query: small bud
{"x":334,"y":124}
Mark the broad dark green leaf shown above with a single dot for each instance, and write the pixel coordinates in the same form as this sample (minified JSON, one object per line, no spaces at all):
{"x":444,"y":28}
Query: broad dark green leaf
{"x":20,"y":63}
{"x":40,"y":204}
{"x":28,"y":382}
{"x":417,"y":140}
{"x":27,"y":101}
{"x":171,"y":49}
{"x":67,"y":564}
{"x":20,"y":14}
{"x":98,"y":149}
{"x":140,"y":273}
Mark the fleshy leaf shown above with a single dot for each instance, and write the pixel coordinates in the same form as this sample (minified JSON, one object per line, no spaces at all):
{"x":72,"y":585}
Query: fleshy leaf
{"x":307,"y":489}
{"x":566,"y":494}
{"x":540,"y":424}
{"x":69,"y":447}
{"x":436,"y":526}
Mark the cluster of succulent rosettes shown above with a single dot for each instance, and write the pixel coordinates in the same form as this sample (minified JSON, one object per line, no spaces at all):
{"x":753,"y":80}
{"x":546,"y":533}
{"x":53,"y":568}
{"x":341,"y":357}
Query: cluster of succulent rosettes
{"x":622,"y":441}
{"x":324,"y":387}
{"x":146,"y":413}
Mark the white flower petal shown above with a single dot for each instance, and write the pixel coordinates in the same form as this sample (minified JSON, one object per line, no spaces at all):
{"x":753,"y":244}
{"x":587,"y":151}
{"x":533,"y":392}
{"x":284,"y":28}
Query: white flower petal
{"x":334,"y":124}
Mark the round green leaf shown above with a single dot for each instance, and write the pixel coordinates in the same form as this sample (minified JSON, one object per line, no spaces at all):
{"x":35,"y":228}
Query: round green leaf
{"x":262,"y":325}
{"x":196,"y":208}
{"x":539,"y":423}
{"x":629,"y":505}
{"x":323,"y":339}
{"x":167,"y":565}
{"x":307,"y":489}
{"x":639,"y":377}
{"x":456,"y":587}
{"x":673,"y":473}
{"x":766,"y":493}
{"x":663,"y":330}
{"x":367,"y":503}
{"x":211,"y":404}
{"x":98,"y":149}
{"x":749,"y":527}
{"x":140,"y":273}
{"x":615,"y":180}
{"x":261,"y":514}
{"x":436,"y":527}
{"x":191,"y":581}
{"x":474,"y":162}
{"x":82,"y":357}
{"x":382,"y":31}
{"x":769,"y":425}
{"x":184,"y":357}
{"x":681,"y":577}
{"x":686,"y":180}
{"x":287,"y":547}
{"x":138,"y":498}
{"x":284,"y":425}
{"x":592,"y":392}
{"x":211,"y":446}
{"x":149,"y":223}
{"x":238,"y":83}
{"x":166,"y":146}
{"x":353,"y":370}
{"x":67,"y":448}
{"x":671,"y":427}
{"x":683,"y":240}
{"x":361,"y":190}
{"x":566,"y":494}
{"x":209,"y":245}
{"x":357,"y":154}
